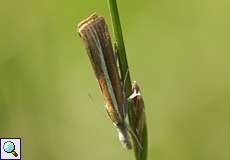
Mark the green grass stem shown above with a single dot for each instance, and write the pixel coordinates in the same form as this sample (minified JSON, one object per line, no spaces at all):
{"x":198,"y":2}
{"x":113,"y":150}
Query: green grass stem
{"x":123,"y":65}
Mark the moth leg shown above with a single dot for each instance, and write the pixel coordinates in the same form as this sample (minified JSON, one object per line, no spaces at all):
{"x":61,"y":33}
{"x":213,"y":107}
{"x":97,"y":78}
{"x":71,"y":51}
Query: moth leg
{"x":125,"y":105}
{"x":123,"y":135}
{"x":117,"y":62}
{"x":123,"y":84}
{"x":135,"y":137}
{"x":126,"y":76}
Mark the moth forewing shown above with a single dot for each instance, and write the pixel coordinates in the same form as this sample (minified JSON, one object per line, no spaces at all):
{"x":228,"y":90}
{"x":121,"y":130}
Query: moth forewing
{"x":91,"y":36}
{"x":96,"y":38}
{"x":112,"y":68}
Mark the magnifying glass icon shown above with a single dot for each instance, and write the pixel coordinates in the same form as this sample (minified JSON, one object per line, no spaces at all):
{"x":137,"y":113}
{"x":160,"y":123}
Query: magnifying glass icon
{"x":9,"y":147}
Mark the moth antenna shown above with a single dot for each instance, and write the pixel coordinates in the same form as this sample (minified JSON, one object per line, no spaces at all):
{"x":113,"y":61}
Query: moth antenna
{"x":125,"y":107}
{"x":91,"y":98}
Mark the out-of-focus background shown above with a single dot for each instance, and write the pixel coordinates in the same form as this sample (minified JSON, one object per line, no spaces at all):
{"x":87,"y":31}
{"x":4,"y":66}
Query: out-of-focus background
{"x":178,"y":51}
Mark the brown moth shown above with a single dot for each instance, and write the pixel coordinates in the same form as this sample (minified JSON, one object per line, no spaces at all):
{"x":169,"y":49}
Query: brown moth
{"x":95,"y":35}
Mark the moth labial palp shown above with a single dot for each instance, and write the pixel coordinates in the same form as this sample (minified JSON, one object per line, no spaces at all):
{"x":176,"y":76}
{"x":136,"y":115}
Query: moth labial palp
{"x":95,"y":35}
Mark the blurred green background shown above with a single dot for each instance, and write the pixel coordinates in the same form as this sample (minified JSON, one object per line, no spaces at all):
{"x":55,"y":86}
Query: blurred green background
{"x":178,"y":51}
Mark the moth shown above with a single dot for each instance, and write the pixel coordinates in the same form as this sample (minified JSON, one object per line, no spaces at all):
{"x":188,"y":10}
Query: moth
{"x":138,"y":118}
{"x":95,"y":35}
